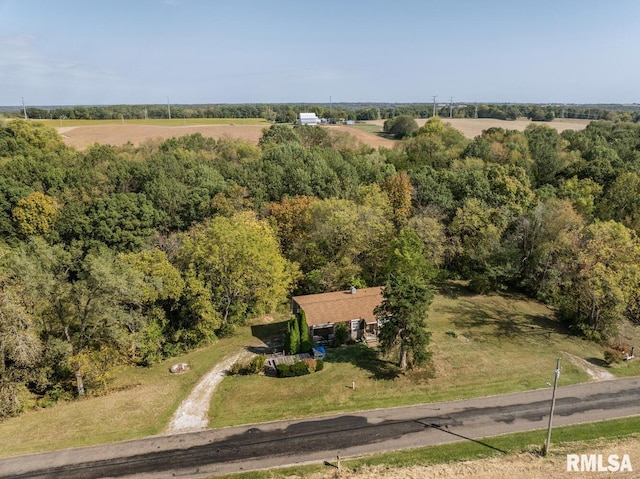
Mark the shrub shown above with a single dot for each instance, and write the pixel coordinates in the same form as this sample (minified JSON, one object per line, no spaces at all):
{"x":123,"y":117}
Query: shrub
{"x":298,"y":368}
{"x":257,"y":364}
{"x":342,"y":334}
{"x":612,"y":356}
{"x":243,"y":368}
{"x":400,"y":126}
{"x":311,"y":364}
{"x":452,"y":333}
{"x":319,"y":365}
{"x":236,"y":368}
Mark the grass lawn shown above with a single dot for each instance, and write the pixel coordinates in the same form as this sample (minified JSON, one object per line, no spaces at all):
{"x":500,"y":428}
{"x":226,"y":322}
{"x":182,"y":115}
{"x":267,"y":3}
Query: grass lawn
{"x":482,"y":345}
{"x":368,"y":127}
{"x":160,"y":122}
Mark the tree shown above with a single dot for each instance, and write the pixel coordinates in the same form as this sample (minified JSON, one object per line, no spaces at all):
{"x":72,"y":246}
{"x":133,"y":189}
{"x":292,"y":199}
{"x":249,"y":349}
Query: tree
{"x":599,"y":280}
{"x":305,"y":340}
{"x":547,"y":235}
{"x":160,"y":292}
{"x":621,"y":201}
{"x":35,"y":213}
{"x":82,"y":303}
{"x":400,"y":126}
{"x":407,"y":296}
{"x":583,"y":194}
{"x":122,"y":221}
{"x":545,"y":145}
{"x":20,"y":352}
{"x":278,"y":134}
{"x":346,"y":240}
{"x":294,"y":336}
{"x":399,"y":190}
{"x":239,"y":261}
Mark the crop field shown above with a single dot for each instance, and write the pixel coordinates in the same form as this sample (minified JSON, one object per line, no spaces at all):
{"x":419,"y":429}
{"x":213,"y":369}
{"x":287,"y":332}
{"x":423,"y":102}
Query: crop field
{"x":472,"y":127}
{"x":83,"y":133}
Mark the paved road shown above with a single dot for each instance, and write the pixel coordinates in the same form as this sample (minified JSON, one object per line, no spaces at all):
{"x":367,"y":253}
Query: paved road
{"x":261,"y":446}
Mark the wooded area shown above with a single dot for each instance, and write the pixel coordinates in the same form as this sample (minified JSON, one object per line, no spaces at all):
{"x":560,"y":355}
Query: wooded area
{"x":286,"y":113}
{"x":133,"y":254}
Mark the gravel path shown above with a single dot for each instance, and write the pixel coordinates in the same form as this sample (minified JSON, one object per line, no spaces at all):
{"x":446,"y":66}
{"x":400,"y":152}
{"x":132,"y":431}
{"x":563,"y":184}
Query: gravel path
{"x":596,"y":373}
{"x":193,"y":413}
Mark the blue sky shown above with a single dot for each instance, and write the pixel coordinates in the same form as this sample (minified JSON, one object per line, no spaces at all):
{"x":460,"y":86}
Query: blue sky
{"x":61,"y":52}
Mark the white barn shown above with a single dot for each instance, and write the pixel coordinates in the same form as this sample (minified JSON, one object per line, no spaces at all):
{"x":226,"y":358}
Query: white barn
{"x":308,"y":119}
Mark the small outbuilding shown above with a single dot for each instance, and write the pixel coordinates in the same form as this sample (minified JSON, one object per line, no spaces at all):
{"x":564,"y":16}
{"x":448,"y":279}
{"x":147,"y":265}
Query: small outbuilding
{"x":353,"y":307}
{"x":308,"y":119}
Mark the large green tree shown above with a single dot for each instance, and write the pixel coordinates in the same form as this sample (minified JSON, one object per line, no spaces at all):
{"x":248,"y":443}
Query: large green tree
{"x":599,"y":280}
{"x":407,"y":296}
{"x":238,"y":259}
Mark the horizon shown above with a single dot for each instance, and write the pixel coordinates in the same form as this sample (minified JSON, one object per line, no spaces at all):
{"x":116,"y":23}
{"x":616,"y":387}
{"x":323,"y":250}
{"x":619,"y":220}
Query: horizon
{"x":194,"y":52}
{"x":335,"y":104}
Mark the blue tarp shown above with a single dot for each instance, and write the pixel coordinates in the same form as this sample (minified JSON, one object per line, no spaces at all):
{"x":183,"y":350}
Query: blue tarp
{"x":319,"y":351}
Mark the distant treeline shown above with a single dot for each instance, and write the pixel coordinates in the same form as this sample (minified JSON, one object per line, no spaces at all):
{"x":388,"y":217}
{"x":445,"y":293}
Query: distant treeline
{"x":286,"y":113}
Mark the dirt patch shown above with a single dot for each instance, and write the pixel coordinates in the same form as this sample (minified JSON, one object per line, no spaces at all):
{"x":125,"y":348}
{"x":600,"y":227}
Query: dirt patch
{"x":596,"y":373}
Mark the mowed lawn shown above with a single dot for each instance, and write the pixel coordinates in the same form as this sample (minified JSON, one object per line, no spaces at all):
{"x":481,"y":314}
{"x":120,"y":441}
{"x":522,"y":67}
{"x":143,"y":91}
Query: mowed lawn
{"x":482,"y":345}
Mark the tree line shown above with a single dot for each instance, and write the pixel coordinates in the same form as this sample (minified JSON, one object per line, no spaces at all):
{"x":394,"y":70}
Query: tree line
{"x":288,"y":113}
{"x":129,"y":255}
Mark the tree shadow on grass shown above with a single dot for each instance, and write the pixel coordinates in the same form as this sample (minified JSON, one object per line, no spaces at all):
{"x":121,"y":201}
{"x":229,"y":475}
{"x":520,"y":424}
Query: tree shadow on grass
{"x":271,"y":335}
{"x":499,"y":321}
{"x":365,"y":358}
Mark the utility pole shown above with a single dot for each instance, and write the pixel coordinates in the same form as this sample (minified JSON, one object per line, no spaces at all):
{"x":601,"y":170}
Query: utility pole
{"x":169,"y":108}
{"x":434,"y":105}
{"x":450,"y":107}
{"x":24,"y":109}
{"x":553,"y":405}
{"x":475,"y":115}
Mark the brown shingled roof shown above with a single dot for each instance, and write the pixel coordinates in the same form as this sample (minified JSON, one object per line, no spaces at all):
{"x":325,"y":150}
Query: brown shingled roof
{"x":340,"y":306}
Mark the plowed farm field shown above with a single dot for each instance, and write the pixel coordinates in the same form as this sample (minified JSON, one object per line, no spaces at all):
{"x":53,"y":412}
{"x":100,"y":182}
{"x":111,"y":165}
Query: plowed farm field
{"x":82,"y":136}
{"x":472,"y":127}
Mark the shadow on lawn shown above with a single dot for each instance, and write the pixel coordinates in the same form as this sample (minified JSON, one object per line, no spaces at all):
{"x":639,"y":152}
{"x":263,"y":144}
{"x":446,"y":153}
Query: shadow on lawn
{"x":498,"y":320}
{"x":271,"y":335}
{"x":365,"y":358}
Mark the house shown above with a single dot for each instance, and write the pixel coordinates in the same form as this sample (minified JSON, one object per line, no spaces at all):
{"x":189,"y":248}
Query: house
{"x":353,"y":307}
{"x":308,"y":119}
